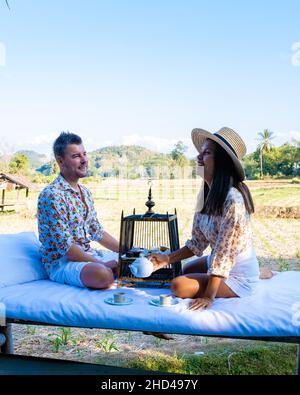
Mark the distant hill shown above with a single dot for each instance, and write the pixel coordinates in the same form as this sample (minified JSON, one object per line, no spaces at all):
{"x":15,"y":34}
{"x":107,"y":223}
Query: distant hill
{"x":36,"y":160}
{"x":134,"y":154}
{"x":108,"y":161}
{"x":112,"y":160}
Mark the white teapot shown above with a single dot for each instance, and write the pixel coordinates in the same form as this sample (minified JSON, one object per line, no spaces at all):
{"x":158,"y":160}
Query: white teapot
{"x":141,"y":267}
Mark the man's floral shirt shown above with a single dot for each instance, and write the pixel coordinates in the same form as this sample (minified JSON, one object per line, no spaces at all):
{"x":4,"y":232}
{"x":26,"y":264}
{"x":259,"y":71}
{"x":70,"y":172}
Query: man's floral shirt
{"x":64,"y":219}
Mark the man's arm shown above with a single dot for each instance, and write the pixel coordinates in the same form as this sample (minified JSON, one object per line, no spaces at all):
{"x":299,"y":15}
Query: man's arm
{"x":76,"y":254}
{"x":109,"y":242}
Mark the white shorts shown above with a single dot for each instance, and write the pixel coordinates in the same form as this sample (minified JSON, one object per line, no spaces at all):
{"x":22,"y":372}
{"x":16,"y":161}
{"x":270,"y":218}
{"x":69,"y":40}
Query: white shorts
{"x":244,"y":275}
{"x":68,"y":272}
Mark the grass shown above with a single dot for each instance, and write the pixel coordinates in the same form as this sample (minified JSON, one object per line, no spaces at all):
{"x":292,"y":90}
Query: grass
{"x":251,"y":360}
{"x":283,"y":196}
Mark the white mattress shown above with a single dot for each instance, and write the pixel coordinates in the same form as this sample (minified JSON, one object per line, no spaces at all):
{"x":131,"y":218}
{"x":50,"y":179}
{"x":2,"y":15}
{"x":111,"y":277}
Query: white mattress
{"x":274,"y":310}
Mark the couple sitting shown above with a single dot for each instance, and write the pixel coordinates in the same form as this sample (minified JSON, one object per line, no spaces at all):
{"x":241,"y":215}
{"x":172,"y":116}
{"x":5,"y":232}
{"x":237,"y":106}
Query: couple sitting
{"x":67,"y":222}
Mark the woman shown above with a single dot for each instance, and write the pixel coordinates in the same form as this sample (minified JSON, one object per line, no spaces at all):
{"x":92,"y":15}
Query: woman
{"x":231,"y":270}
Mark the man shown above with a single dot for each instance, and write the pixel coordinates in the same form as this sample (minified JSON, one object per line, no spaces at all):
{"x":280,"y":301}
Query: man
{"x":67,"y":222}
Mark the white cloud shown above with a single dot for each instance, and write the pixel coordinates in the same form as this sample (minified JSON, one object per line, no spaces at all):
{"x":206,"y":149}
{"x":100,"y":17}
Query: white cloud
{"x":44,"y":139}
{"x":41,"y":143}
{"x":288,"y":136}
{"x":6,"y":148}
{"x":295,"y":59}
{"x":2,"y":54}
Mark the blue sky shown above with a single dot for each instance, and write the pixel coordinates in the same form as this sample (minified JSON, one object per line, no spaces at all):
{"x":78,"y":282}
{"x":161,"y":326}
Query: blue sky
{"x":147,"y":72}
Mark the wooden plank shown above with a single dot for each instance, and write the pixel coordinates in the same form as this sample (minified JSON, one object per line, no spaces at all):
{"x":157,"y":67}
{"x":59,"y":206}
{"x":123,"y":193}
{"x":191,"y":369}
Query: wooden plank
{"x":25,"y":365}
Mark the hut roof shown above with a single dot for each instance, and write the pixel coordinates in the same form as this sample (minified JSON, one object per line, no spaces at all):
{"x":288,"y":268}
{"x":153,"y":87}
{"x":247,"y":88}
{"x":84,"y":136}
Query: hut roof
{"x":22,"y":181}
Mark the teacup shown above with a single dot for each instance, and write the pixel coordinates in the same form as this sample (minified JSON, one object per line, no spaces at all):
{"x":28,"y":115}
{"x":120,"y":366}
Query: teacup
{"x":119,"y":297}
{"x":141,"y":267}
{"x":165,"y":300}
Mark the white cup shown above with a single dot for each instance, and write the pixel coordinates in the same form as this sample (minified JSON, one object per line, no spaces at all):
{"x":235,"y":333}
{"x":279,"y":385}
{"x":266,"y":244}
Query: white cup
{"x":119,"y":297}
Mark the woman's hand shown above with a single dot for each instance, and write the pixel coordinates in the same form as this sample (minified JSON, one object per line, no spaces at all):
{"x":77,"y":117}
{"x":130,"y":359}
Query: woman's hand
{"x":158,"y":260}
{"x":198,"y":303}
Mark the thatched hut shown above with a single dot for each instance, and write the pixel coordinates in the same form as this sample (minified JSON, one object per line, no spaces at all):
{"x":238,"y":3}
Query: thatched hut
{"x":10,"y":182}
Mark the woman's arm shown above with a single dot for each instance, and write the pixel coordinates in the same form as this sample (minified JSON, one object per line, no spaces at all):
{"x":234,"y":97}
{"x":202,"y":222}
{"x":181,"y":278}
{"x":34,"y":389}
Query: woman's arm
{"x":161,"y":260}
{"x":209,"y":294}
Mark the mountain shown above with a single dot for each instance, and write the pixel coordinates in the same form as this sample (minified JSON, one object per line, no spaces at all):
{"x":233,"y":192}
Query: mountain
{"x":133,"y":154}
{"x":36,"y":160}
{"x":129,"y":160}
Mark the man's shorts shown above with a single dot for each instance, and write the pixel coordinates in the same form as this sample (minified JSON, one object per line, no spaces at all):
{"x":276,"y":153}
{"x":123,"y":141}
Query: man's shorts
{"x":67,"y":273}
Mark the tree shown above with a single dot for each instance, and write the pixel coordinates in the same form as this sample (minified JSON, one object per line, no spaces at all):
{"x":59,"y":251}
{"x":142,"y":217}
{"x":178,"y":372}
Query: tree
{"x":177,"y":154}
{"x":265,"y":145}
{"x":49,"y":169}
{"x":19,"y":164}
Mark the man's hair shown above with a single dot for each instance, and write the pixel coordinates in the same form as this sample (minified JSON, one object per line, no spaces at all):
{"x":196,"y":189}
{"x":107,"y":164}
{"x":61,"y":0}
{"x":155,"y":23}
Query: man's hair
{"x":64,"y":139}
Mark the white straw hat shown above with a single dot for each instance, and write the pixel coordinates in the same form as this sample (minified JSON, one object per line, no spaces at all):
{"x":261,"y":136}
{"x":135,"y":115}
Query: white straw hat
{"x":228,"y":139}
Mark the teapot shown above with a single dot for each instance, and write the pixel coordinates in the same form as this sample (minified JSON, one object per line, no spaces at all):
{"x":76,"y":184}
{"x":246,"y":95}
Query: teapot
{"x":141,"y":267}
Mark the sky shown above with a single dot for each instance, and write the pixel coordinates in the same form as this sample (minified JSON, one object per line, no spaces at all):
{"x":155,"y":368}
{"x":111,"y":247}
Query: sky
{"x":147,"y":71}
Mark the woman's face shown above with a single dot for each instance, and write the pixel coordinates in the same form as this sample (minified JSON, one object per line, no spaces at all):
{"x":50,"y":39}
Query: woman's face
{"x":206,"y":158}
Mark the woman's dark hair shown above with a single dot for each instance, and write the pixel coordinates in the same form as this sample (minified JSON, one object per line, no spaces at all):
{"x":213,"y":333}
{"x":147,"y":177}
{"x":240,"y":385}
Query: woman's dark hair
{"x":64,"y":139}
{"x":225,"y":176}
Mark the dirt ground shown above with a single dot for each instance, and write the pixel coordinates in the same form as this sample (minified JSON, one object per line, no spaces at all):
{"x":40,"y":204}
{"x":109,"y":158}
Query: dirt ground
{"x":106,"y":346}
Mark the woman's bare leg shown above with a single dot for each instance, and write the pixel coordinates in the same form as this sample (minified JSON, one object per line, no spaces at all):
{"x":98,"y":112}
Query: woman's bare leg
{"x":194,"y":286}
{"x":198,"y":265}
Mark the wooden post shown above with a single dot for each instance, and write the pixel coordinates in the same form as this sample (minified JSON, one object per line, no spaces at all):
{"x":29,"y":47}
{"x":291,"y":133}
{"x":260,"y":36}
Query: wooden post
{"x":298,"y":360}
{"x":3,"y":199}
{"x":8,"y":346}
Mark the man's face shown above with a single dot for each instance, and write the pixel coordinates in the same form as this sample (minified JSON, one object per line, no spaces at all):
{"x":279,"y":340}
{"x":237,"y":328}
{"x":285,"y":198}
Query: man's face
{"x":74,"y":164}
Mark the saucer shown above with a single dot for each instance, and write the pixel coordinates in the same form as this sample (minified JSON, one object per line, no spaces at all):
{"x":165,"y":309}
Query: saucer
{"x":110,"y":300}
{"x":155,"y":302}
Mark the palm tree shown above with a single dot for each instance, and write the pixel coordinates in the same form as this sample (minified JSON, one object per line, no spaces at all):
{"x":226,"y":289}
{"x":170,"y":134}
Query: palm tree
{"x":265,"y":145}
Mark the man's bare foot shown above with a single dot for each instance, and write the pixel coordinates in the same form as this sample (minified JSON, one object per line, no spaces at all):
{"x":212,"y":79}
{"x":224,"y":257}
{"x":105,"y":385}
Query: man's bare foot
{"x":265,"y":273}
{"x":159,"y":335}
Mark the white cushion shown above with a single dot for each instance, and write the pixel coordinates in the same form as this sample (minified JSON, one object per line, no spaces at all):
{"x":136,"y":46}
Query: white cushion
{"x":20,"y":260}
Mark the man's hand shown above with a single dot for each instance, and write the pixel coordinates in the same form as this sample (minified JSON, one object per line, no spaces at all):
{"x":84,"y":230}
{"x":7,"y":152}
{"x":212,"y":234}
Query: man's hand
{"x":158,"y":260}
{"x":200,"y":303}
